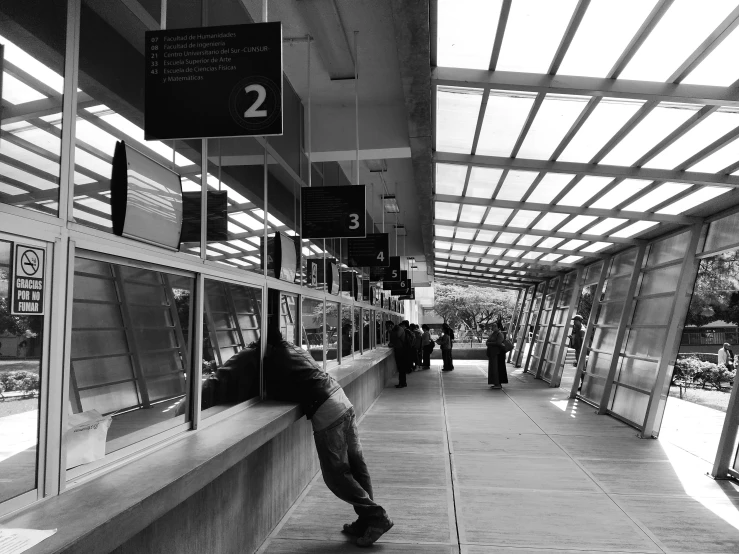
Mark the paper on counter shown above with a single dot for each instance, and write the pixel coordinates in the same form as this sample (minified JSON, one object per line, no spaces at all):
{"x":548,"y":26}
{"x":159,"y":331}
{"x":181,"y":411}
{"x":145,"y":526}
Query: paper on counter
{"x":15,"y":541}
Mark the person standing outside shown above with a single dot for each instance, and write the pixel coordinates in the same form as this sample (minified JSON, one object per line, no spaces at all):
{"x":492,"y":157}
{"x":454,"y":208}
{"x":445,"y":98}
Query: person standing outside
{"x":417,"y":341}
{"x":445,"y":343}
{"x":292,"y":375}
{"x":427,"y":345}
{"x":401,"y":341}
{"x":496,"y":358}
{"x":577,"y":336}
{"x":726,"y":356}
{"x":448,"y":332}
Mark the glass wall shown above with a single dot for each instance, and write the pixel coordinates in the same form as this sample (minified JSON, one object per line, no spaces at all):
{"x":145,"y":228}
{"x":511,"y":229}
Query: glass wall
{"x":311,"y":335}
{"x":539,"y":338}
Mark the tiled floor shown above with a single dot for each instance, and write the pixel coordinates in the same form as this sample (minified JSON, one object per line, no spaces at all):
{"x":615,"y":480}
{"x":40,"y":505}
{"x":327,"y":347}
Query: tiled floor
{"x":465,"y":469}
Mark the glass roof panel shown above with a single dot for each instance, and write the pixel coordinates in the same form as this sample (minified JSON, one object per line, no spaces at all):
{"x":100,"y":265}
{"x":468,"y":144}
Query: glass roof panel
{"x":719,"y":68}
{"x":472,"y":214}
{"x":523,"y":218}
{"x":596,"y":247}
{"x":659,"y":123}
{"x":466,"y":234}
{"x":680,"y":31}
{"x":464,"y":37}
{"x":607,"y":118}
{"x":446,"y":210}
{"x":506,"y":238}
{"x":516,"y":184}
{"x":543,"y":19}
{"x":498,"y":216}
{"x":549,"y":187}
{"x":620,"y":193}
{"x":32,"y":66}
{"x":577,"y":223}
{"x":550,"y":221}
{"x":478,"y":249}
{"x":17,"y":92}
{"x":450,"y":179}
{"x":443,"y":231}
{"x":485,"y":236}
{"x":701,"y":135}
{"x":460,"y":247}
{"x":532,"y":255}
{"x":555,"y":117}
{"x":483,"y":181}
{"x":495,"y":251}
{"x":602,"y":36}
{"x":573,"y":244}
{"x":514,"y":253}
{"x":694,"y":200}
{"x":551,"y":257}
{"x":583,"y":191}
{"x":551,"y":242}
{"x":528,"y":240}
{"x":571,"y":259}
{"x":505,"y":114}
{"x":456,"y":118}
{"x":634,"y":228}
{"x":719,"y":160}
{"x":657,"y":196}
{"x":606,"y":225}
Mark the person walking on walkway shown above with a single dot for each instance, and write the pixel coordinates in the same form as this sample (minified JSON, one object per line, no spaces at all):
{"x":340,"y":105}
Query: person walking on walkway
{"x":577,"y":336}
{"x":401,"y":341}
{"x":726,"y":356}
{"x":496,"y":358}
{"x":427,"y":346}
{"x":417,"y":341}
{"x":448,"y":332}
{"x":292,"y":375}
{"x":445,"y":343}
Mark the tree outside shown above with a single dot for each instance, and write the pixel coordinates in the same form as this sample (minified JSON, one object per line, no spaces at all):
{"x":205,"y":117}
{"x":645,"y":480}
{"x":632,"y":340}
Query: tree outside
{"x":473,"y":309}
{"x":716,"y":292}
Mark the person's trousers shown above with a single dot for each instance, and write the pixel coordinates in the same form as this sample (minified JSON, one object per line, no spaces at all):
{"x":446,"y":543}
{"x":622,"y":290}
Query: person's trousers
{"x":400,"y":363}
{"x":344,"y":469}
{"x":493,"y":369}
{"x":446,"y":356}
{"x":427,"y":355}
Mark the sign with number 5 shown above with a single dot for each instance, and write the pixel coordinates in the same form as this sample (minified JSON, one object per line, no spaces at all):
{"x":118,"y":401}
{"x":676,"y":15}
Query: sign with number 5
{"x":209,"y":82}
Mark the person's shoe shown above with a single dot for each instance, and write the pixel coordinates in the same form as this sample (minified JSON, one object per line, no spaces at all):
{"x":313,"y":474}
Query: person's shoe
{"x":496,"y":387}
{"x":374,"y":532}
{"x":355,"y":528}
{"x":400,"y":386}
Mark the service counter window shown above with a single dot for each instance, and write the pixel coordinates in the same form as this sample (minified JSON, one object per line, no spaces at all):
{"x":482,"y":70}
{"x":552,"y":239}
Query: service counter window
{"x":21,"y":349}
{"x":366,"y":340}
{"x":333,"y":331}
{"x":32,"y":51}
{"x":347,"y":332}
{"x":357,"y":328}
{"x":130,"y":357}
{"x":379,"y":329}
{"x":312,"y":327}
{"x":232,"y":316}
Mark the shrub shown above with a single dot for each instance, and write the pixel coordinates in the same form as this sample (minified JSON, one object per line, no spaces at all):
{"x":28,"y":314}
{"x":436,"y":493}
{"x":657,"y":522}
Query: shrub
{"x":24,"y":381}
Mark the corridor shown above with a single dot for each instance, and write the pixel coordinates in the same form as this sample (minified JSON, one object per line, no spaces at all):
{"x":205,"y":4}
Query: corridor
{"x":462,"y":468}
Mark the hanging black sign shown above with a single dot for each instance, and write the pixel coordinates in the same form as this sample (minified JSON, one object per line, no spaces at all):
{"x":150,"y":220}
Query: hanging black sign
{"x":388,"y":285}
{"x":27,"y":281}
{"x":333,"y":212}
{"x":389,"y":273}
{"x":371,"y":251}
{"x":217,"y":220}
{"x":214,"y":82}
{"x":402,"y":288}
{"x":411,"y":296}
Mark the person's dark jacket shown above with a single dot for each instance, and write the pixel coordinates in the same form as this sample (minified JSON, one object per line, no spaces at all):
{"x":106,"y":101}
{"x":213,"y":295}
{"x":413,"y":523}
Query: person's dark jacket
{"x":292,"y":375}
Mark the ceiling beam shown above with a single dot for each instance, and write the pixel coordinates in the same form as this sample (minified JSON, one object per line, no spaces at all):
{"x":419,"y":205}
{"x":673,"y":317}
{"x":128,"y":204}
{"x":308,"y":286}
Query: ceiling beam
{"x":521,"y":279}
{"x":574,"y":210}
{"x":590,"y":86}
{"x":597,"y":170}
{"x":529,"y":271}
{"x":509,"y":246}
{"x":532,"y":263}
{"x":535,"y":232}
{"x":454,"y":279}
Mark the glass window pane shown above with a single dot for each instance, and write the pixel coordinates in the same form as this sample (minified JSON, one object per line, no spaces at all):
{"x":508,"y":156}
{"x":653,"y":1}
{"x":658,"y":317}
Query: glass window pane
{"x":583,"y":191}
{"x":554,"y":118}
{"x":634,"y":229}
{"x":450,"y":179}
{"x":577,"y":223}
{"x":523,"y":218}
{"x":604,"y":33}
{"x":457,"y":110}
{"x":659,"y":123}
{"x":483,"y":181}
{"x":505,"y":114}
{"x":606,"y":225}
{"x":694,"y":200}
{"x":498,"y":216}
{"x":667,"y":250}
{"x":660,"y":280}
{"x":130,"y":361}
{"x":332,"y":330}
{"x":630,"y":404}
{"x":347,"y":332}
{"x":312,"y":328}
{"x":680,"y":31}
{"x":596,"y":246}
{"x":620,"y":193}
{"x":33,"y":37}
{"x":603,"y":123}
{"x":357,"y":327}
{"x":722,"y":233}
{"x":516,"y":184}
{"x":542,"y":19}
{"x":718,"y":68}
{"x":472,"y":214}
{"x":366,"y":342}
{"x":464,"y":36}
{"x":549,"y":187}
{"x":446,"y":211}
{"x":719,"y":160}
{"x":550,"y":221}
{"x":21,"y":346}
{"x":657,"y":196}
{"x":652,"y":311}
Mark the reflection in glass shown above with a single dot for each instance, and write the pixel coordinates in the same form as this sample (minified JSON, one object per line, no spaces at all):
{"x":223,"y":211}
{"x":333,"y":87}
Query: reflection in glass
{"x":311,"y":336}
{"x":347,"y":331}
{"x":357,"y":327}
{"x":21,"y":343}
{"x":332,"y":330}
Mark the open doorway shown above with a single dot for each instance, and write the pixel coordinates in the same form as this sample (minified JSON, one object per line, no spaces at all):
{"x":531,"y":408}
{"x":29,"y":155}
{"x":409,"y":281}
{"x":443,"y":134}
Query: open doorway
{"x":705,"y":367}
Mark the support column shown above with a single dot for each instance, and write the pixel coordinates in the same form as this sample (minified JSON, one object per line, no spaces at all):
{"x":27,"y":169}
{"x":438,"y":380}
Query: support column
{"x":590,"y":326}
{"x":545,"y":287}
{"x":726,"y":452}
{"x":562,"y":347}
{"x":548,"y":332}
{"x":525,"y":325}
{"x":622,"y":322}
{"x":680,"y":304}
{"x":517,"y":320}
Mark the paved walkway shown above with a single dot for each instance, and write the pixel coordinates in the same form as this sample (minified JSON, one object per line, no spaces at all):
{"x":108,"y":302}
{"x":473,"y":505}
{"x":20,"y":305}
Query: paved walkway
{"x":465,"y":469}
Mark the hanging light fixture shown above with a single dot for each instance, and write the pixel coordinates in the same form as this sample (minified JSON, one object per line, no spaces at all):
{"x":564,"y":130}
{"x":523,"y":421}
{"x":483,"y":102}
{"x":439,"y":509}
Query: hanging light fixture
{"x":390,"y":203}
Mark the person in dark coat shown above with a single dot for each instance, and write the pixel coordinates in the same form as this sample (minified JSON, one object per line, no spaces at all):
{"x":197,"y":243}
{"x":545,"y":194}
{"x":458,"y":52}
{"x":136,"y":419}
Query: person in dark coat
{"x":577,"y":336}
{"x":496,"y":358}
{"x":401,"y":341}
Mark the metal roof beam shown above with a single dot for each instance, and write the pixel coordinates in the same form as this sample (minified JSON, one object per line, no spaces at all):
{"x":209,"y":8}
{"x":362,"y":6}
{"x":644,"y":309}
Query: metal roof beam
{"x":521,"y":279}
{"x":535,"y":232}
{"x":598,"y":170}
{"x":574,"y":210}
{"x":534,"y":272}
{"x":509,"y":246}
{"x":453,"y":279}
{"x":589,"y":86}
{"x":532,"y":263}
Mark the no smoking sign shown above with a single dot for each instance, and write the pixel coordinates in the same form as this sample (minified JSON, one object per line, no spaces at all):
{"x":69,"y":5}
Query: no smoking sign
{"x":27,"y":289}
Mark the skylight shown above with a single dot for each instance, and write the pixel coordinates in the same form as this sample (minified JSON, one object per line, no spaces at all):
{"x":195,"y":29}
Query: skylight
{"x":465,"y":41}
{"x":505,"y":115}
{"x":483,"y":181}
{"x":457,"y":110}
{"x":554,"y":118}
